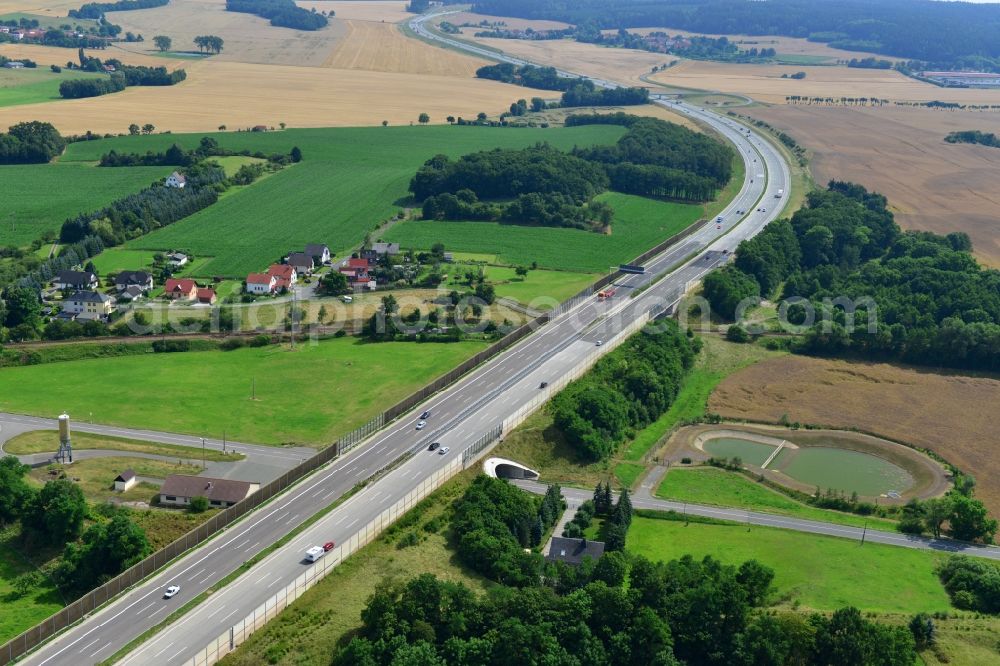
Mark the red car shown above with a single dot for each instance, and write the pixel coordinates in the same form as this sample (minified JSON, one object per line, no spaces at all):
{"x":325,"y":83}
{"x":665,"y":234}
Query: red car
{"x":328,"y":546}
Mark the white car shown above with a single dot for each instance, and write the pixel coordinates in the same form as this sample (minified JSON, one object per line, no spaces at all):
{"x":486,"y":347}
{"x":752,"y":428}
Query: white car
{"x":171,"y":591}
{"x":600,"y":342}
{"x":421,"y":424}
{"x":443,"y":450}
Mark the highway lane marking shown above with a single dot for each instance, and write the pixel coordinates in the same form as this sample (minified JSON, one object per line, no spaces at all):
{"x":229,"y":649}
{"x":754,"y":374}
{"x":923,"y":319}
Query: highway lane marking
{"x":351,"y":523}
{"x":145,"y":608}
{"x":176,"y":654}
{"x":259,"y":580}
{"x":360,"y":472}
{"x":231,"y":614}
{"x":205,"y":579}
{"x":89,"y":644}
{"x":167,"y":647}
{"x":327,"y":496}
{"x":218,"y":610}
{"x":245,"y":542}
{"x":195,"y":575}
{"x":282,"y":515}
{"x":274,"y":581}
{"x":291,"y":520}
{"x":104,"y":647}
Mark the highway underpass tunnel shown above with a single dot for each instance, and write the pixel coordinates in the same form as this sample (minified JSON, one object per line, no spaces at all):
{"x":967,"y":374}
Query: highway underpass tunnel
{"x":501,"y":468}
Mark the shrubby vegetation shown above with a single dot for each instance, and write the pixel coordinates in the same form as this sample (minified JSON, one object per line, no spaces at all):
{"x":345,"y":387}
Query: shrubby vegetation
{"x":282,"y":13}
{"x":30,"y":143}
{"x":587,"y":95}
{"x":972,"y":584}
{"x":96,"y":10}
{"x":934,"y":304}
{"x":543,"y":78}
{"x":122,"y":77}
{"x":974,"y":136}
{"x":626,"y":390}
{"x":177,"y":156}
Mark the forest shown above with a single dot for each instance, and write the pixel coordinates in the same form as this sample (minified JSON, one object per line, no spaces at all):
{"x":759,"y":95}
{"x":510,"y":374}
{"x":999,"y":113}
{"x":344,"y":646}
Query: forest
{"x":32,"y":142}
{"x":974,"y":136}
{"x":543,"y":78}
{"x":933,"y":304}
{"x":624,"y":392}
{"x":948,"y":34}
{"x":281,"y":13}
{"x":96,"y":10}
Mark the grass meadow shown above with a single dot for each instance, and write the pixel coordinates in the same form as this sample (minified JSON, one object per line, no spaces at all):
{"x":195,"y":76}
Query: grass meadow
{"x":38,"y":198}
{"x":31,"y":86}
{"x":821,"y":573}
{"x":42,"y":441}
{"x":349,"y":181}
{"x":639,"y":224}
{"x":308,"y":395}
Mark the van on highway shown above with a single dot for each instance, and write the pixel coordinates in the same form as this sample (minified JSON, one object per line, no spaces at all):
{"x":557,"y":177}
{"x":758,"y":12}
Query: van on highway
{"x":315,"y":553}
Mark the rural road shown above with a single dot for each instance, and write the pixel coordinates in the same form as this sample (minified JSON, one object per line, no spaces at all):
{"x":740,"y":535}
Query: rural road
{"x":460,"y":415}
{"x":644,"y":500}
{"x":262,"y":463}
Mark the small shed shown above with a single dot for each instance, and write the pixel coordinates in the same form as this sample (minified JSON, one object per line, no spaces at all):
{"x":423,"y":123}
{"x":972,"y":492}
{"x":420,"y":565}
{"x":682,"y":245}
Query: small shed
{"x":125,"y":480}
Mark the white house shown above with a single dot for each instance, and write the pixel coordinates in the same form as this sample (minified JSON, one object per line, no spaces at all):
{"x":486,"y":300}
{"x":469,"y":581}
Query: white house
{"x":261,"y":283}
{"x":89,"y":305}
{"x":176,"y":180}
{"x":319,"y":252}
{"x":177,"y":259}
{"x":125,"y":480}
{"x":75,"y":280}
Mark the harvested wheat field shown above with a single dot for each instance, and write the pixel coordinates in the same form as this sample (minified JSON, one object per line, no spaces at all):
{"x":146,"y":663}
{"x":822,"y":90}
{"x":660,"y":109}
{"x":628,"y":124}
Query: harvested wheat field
{"x":381,"y":47}
{"x":390,"y":11}
{"x":42,"y":7}
{"x":53,"y":55}
{"x":621,"y":65}
{"x":558,"y":116}
{"x":931,"y":184}
{"x":951,"y":414}
{"x":764,"y":83}
{"x":248,"y":38}
{"x":463,"y":18}
{"x":243,"y":95}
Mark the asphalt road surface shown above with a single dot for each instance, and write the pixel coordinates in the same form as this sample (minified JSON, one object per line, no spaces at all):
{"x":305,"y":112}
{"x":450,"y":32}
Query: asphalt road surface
{"x":460,"y":415}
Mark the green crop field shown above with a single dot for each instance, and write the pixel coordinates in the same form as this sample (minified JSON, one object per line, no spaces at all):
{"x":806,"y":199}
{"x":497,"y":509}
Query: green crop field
{"x":117,"y":259}
{"x":309,"y":395}
{"x":40,"y":197}
{"x":639,"y":224}
{"x":541,"y":289}
{"x":708,"y":485}
{"x":820,"y":572}
{"x":350,"y":179}
{"x":31,"y":86}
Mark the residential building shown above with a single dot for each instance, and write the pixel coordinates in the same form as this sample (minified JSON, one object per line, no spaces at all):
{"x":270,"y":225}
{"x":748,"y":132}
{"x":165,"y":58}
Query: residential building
{"x":301,"y":262}
{"x":75,"y":280}
{"x":572,"y":551}
{"x":131,"y":293}
{"x":14,"y":64}
{"x":89,"y":305}
{"x":177,"y":259}
{"x":260,"y":283}
{"x":179,"y":489}
{"x":125,"y":480}
{"x":380,"y":249}
{"x":180,"y":289}
{"x":320,"y":253}
{"x":283,"y":271}
{"x":140,"y":279}
{"x":206,"y":295}
{"x":176,"y":180}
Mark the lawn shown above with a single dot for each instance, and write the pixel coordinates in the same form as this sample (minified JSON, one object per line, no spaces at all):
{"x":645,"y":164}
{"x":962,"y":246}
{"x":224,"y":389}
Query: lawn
{"x":39,"y":197}
{"x":639,"y":224}
{"x":308,"y":395}
{"x":117,"y":259}
{"x":708,"y":485}
{"x":541,"y":289}
{"x":42,"y":441}
{"x":95,"y":476}
{"x":19,"y":613}
{"x":819,"y":572}
{"x":31,"y":86}
{"x":350,"y":180}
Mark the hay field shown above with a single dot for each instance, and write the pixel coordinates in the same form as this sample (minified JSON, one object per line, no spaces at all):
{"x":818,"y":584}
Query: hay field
{"x":248,"y":38}
{"x":53,"y":55}
{"x":621,"y":65}
{"x":943,"y":187}
{"x":241,"y":95}
{"x":390,"y":11}
{"x":510,"y":22}
{"x":764,"y":83}
{"x":947,"y":413}
{"x":381,"y":47}
{"x":43,"y":7}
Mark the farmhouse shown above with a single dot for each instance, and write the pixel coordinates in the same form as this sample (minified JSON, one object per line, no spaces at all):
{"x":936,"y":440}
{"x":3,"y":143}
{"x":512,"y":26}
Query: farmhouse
{"x":284,"y":276}
{"x":178,"y":489}
{"x":14,"y":64}
{"x":206,"y":295}
{"x":379,"y":249}
{"x":89,"y":305}
{"x":125,"y":480}
{"x":261,"y":283}
{"x":177,"y":259}
{"x":356,"y":271}
{"x":176,"y":180}
{"x":140,"y":279}
{"x":131,"y":293}
{"x":572,"y":551}
{"x":301,"y":262}
{"x":183,"y":289}
{"x":319,"y":252}
{"x":75,"y":280}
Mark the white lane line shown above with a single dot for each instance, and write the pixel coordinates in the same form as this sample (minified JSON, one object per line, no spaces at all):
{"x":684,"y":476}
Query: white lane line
{"x":329,"y":494}
{"x":159,"y":610}
{"x":291,"y":520}
{"x":216,"y":611}
{"x":89,"y":644}
{"x":352,"y":522}
{"x":317,"y":492}
{"x":274,"y":581}
{"x":104,"y":647}
{"x":245,"y":542}
{"x":256,"y":543}
{"x":282,"y":515}
{"x":196,"y":574}
{"x":205,"y":579}
{"x":147,"y":607}
{"x":342,"y":519}
{"x":165,"y":648}
{"x":176,"y":654}
{"x":360,"y":472}
{"x":259,"y":580}
{"x":231,"y":614}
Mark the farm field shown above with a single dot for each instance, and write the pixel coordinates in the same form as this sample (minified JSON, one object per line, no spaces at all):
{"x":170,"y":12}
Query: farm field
{"x":639,"y":224}
{"x":821,"y":573}
{"x":382,"y":47}
{"x":55,"y":55}
{"x":540,"y":288}
{"x":944,"y":187}
{"x":28,"y":86}
{"x":46,"y":195}
{"x":940,"y":412}
{"x":764,"y":83}
{"x":390,"y":11}
{"x":212,"y":390}
{"x":349,"y":180}
{"x":709,"y":485}
{"x":508,"y":21}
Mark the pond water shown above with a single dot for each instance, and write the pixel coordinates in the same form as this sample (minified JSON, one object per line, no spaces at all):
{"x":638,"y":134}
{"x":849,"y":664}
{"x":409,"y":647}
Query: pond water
{"x":753,"y":453}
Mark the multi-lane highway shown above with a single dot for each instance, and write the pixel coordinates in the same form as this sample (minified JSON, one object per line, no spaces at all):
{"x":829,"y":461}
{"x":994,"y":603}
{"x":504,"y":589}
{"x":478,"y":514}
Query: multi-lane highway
{"x":459,"y":416}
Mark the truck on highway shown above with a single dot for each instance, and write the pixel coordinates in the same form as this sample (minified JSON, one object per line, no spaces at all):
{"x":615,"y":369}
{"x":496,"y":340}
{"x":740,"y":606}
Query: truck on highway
{"x":315,"y":553}
{"x":777,"y":195}
{"x":605,"y":294}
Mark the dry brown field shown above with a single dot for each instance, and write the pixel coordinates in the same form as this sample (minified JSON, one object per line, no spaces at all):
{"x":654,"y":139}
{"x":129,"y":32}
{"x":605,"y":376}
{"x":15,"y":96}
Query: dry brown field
{"x":43,"y":7}
{"x":558,"y":116}
{"x":512,"y":23}
{"x":951,"y":414}
{"x":390,"y":11}
{"x":242,"y":95}
{"x":381,"y":47}
{"x":53,"y":55}
{"x":764,"y":83}
{"x":621,"y":65}
{"x":931,"y":184}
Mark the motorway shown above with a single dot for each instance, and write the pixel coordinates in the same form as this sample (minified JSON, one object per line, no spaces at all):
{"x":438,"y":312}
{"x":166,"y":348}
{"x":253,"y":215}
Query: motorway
{"x":460,"y":415}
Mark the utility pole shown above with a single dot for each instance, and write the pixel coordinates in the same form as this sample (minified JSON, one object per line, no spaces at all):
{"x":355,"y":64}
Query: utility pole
{"x":204,"y":465}
{"x":864,"y":532}
{"x":223,"y":440}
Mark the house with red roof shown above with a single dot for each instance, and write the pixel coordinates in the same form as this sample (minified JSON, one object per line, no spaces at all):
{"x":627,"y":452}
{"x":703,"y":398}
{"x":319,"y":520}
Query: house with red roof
{"x":180,"y":289}
{"x":284,"y":272}
{"x":357,"y":273}
{"x":206,"y":295}
{"x":260,"y":283}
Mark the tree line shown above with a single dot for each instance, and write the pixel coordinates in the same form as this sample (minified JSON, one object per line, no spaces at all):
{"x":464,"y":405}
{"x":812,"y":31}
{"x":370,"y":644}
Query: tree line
{"x":625,"y":391}
{"x":122,"y":77}
{"x":543,"y":78}
{"x":282,"y":13}
{"x":32,"y":142}
{"x":96,"y":10}
{"x":177,"y":156}
{"x":974,"y":136}
{"x":935,"y":304}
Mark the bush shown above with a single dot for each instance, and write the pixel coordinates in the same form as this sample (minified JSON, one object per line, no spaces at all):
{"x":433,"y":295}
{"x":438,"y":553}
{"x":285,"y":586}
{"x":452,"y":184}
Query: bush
{"x":230,"y":344}
{"x":198,"y":504}
{"x":262,"y":340}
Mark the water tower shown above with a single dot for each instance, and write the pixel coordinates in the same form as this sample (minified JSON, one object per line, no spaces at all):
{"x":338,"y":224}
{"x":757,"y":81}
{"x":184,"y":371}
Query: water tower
{"x":65,"y":452}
